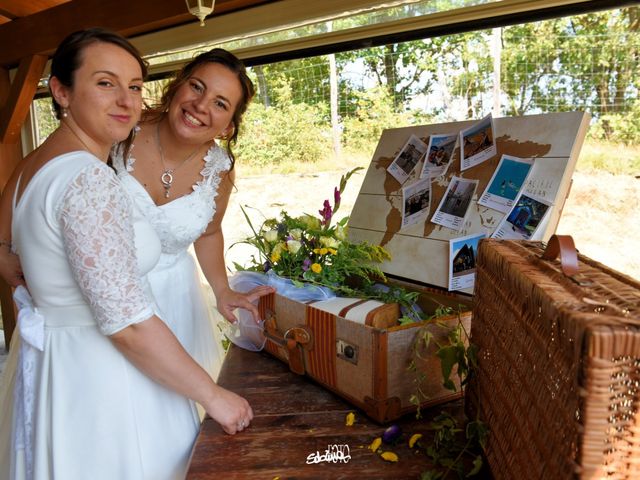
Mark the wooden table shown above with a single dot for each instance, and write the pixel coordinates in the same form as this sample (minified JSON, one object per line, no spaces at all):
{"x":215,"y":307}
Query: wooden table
{"x":295,"y":420}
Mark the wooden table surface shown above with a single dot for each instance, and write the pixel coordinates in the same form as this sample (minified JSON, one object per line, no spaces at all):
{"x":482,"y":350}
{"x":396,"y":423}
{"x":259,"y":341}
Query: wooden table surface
{"x":295,"y":418}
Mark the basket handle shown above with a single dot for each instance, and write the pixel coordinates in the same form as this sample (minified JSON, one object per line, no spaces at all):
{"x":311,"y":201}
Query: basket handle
{"x":563,"y":245}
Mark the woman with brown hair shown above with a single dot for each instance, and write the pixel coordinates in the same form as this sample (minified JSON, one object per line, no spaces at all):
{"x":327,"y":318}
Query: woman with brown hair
{"x":181,"y":180}
{"x":96,"y":386}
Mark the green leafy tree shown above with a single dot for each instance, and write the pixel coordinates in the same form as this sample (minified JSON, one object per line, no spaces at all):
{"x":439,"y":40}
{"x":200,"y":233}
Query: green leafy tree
{"x":286,"y":132}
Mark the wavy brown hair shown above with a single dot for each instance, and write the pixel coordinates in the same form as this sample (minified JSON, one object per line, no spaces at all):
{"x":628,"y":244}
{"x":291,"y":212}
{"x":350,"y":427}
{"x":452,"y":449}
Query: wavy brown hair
{"x":222,"y":57}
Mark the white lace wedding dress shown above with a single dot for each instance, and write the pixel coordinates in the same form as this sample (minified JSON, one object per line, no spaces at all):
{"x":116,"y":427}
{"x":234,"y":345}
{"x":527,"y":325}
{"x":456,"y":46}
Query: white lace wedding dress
{"x":175,"y":280}
{"x":80,"y":410}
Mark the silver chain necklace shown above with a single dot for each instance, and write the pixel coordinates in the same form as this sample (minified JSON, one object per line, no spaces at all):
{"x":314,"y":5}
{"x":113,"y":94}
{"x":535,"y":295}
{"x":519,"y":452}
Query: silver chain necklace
{"x":167,"y":175}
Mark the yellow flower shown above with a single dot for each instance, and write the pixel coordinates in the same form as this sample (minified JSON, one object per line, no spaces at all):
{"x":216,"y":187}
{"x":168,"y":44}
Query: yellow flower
{"x":414,"y":438}
{"x":277,"y":251}
{"x":375,"y":445}
{"x":316,"y":268}
{"x":389,"y":456}
{"x":323,"y":251}
{"x":350,"y":419}
{"x":332,"y":251}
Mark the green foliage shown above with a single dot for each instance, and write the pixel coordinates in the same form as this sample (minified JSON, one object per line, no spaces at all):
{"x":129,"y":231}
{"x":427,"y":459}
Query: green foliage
{"x":47,"y":122}
{"x":314,"y":250}
{"x":292,"y":131}
{"x":455,"y":450}
{"x":374,"y":112}
{"x":618,"y":127}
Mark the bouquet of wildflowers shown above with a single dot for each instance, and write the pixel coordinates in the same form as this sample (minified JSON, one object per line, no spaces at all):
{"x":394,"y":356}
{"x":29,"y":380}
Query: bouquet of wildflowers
{"x":315,"y":250}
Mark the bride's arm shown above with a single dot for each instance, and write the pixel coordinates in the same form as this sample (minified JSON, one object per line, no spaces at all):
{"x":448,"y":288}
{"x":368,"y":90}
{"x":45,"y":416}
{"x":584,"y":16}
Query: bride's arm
{"x":209,"y":250}
{"x":95,"y":217}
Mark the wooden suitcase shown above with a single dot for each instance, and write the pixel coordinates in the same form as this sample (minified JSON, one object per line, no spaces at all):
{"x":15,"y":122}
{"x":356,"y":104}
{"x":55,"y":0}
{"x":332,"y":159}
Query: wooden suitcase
{"x":558,"y":382}
{"x":370,"y":367}
{"x":366,"y":365}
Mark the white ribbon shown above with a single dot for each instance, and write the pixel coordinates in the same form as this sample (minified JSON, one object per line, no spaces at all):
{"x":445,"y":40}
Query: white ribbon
{"x":30,"y":322}
{"x":31,"y":329}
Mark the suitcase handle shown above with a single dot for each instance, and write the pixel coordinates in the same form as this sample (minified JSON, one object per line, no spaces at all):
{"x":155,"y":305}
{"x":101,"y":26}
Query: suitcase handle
{"x":563,"y":245}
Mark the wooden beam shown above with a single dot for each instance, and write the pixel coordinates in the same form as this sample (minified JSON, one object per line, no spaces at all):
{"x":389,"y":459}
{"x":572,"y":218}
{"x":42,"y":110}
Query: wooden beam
{"x":10,"y":155}
{"x":23,"y":8}
{"x":23,"y":87}
{"x":41,"y":32}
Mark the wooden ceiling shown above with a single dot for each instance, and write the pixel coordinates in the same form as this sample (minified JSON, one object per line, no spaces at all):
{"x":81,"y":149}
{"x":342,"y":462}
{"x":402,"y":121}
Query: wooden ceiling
{"x":35,"y":27}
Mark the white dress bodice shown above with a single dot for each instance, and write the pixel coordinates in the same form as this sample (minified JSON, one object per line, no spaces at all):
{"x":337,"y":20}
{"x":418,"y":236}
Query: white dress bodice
{"x":182,"y":221}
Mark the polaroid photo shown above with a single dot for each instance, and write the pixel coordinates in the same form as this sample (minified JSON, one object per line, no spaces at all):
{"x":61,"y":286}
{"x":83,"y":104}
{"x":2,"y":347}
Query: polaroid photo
{"x":478,"y":143}
{"x":407,"y":159}
{"x":439,"y":155}
{"x":506,"y":183}
{"x":455,"y":203}
{"x":524,"y":218}
{"x":416,"y":202}
{"x":463,"y":252}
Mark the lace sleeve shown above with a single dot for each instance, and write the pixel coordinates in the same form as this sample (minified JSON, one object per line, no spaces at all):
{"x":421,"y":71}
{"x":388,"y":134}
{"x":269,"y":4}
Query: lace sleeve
{"x":95,"y":214}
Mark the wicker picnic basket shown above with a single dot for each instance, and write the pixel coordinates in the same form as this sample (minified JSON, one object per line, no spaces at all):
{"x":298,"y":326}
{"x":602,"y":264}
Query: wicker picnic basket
{"x":558,"y":381}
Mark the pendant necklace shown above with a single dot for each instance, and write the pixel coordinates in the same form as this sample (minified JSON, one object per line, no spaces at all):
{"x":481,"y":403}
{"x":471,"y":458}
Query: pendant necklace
{"x":167,"y":175}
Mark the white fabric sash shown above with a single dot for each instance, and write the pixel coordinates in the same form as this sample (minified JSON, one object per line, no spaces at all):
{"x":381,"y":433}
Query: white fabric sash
{"x":31,"y":328}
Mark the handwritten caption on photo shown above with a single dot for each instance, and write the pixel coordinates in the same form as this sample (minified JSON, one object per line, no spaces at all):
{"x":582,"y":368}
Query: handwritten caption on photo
{"x":333,"y":454}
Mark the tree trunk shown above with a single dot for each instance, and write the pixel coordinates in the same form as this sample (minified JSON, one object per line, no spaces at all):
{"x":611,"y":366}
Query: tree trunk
{"x":390,"y":72}
{"x":263,"y":91}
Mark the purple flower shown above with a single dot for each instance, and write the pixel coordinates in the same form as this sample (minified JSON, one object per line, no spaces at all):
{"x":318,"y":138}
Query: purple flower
{"x":266,"y":266}
{"x":326,"y":213}
{"x":336,"y":198}
{"x":306,"y":264}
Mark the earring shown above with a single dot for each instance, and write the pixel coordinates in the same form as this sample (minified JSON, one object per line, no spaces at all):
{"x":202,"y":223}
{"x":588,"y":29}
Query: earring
{"x":64,"y":113}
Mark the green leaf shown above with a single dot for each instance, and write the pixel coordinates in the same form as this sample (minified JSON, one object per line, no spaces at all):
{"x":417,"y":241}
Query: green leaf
{"x":448,"y":359}
{"x":477,"y":466}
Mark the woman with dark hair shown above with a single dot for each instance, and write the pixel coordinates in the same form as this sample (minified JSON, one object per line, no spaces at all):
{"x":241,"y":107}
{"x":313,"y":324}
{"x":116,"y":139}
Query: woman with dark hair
{"x":96,"y":386}
{"x":181,"y":179}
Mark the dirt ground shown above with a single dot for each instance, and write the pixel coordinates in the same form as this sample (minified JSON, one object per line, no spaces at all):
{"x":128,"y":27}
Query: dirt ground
{"x":601,"y":212}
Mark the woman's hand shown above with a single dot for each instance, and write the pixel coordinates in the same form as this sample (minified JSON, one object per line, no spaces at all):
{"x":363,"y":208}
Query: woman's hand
{"x":10,"y":268}
{"x":228,"y":300}
{"x":230,"y":410}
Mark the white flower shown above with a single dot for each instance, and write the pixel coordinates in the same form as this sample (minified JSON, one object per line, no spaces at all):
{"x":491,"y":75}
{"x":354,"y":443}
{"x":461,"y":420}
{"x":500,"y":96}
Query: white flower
{"x":341,"y":232}
{"x":271,"y":235}
{"x":296,"y":233}
{"x":329,"y":242}
{"x":311,"y":222}
{"x":293,"y":246}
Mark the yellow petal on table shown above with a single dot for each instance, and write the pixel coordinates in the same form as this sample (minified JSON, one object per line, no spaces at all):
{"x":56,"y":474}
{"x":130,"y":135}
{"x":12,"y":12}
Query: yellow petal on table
{"x":414,"y":438}
{"x":350,"y":419}
{"x":375,"y":445}
{"x":389,"y":456}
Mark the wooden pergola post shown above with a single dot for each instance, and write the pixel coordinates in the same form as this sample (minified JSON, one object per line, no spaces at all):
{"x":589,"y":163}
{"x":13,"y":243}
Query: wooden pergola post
{"x":15,"y":100}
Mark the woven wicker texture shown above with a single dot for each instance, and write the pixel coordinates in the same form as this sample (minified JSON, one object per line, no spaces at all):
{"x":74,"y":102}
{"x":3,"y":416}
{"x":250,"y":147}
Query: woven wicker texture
{"x":558,"y":381}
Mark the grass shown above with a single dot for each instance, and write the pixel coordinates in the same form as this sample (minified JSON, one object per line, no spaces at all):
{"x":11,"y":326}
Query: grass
{"x":595,"y":157}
